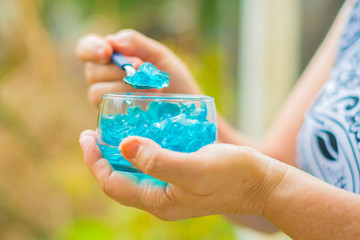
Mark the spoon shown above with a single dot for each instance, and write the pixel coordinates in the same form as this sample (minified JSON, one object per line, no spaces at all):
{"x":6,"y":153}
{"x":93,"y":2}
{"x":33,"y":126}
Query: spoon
{"x":146,"y":77}
{"x":121,"y":61}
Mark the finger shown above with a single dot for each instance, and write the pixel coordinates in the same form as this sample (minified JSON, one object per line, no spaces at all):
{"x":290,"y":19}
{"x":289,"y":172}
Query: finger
{"x":125,"y":189}
{"x":97,"y":89}
{"x":173,"y":167}
{"x":103,"y":172}
{"x":132,"y":43}
{"x":94,"y":48}
{"x":96,"y":72}
{"x":88,"y":132}
{"x":103,"y":73}
{"x":93,"y":157}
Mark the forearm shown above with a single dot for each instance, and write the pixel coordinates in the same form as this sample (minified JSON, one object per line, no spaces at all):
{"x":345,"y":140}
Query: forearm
{"x":306,"y":208}
{"x":303,"y":206}
{"x":257,"y":223}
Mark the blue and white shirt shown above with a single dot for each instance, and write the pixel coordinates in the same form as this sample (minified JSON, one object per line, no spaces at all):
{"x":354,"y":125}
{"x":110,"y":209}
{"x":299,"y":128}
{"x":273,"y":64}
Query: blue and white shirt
{"x":328,"y":144}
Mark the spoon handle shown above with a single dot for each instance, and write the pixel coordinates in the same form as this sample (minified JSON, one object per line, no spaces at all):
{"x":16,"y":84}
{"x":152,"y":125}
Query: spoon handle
{"x":120,"y":60}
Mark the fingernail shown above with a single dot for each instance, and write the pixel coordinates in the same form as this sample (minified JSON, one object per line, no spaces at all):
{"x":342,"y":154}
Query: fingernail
{"x":101,"y":53}
{"x":130,"y":149}
{"x":84,"y":143}
{"x":83,"y":133}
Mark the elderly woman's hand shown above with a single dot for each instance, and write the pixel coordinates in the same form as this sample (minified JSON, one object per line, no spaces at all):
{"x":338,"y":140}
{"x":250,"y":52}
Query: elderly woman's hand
{"x":217,"y":179}
{"x":105,"y":76}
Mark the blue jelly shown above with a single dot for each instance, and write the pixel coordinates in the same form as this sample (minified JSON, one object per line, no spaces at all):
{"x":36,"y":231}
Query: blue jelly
{"x":179,"y":127}
{"x":147,"y":77}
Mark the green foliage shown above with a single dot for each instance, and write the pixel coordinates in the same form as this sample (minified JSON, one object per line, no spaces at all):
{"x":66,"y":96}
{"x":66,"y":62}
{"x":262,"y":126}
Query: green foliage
{"x":89,"y":229}
{"x":137,"y":225}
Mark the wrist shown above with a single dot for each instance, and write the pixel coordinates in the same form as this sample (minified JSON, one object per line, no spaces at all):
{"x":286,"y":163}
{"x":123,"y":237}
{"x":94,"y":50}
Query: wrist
{"x":280,"y":182}
{"x":261,"y":176}
{"x":273,"y":182}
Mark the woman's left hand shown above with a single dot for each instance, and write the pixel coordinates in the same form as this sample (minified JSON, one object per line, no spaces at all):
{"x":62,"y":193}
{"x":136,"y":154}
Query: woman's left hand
{"x":217,"y":179}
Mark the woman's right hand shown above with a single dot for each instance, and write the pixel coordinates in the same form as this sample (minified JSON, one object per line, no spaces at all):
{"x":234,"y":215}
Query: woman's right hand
{"x":105,"y":76}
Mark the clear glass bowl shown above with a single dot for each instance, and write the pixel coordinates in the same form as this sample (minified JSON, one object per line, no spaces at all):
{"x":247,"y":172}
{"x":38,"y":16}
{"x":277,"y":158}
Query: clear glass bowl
{"x":178,"y":122}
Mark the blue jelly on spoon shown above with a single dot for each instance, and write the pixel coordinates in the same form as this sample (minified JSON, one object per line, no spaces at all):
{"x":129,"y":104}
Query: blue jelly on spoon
{"x":146,"y":77}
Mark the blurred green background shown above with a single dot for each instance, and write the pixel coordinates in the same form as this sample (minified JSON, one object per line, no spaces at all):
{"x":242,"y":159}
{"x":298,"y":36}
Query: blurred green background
{"x":46,"y":192}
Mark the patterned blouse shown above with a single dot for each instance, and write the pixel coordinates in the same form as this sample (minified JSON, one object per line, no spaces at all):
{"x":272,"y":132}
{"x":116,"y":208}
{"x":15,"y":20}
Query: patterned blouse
{"x":328,"y":144}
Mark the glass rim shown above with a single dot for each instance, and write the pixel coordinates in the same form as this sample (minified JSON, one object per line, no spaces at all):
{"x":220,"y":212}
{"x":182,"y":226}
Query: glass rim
{"x":156,"y":96}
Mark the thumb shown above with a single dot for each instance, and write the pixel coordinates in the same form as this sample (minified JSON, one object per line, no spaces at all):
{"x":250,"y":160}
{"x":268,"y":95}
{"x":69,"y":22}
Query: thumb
{"x":173,"y":167}
{"x":132,"y":43}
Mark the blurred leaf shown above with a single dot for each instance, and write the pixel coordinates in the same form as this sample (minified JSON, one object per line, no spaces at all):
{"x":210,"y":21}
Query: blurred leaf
{"x":89,"y":229}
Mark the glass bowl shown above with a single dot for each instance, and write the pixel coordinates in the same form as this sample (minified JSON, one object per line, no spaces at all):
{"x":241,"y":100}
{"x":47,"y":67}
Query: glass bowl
{"x":179,"y":122}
